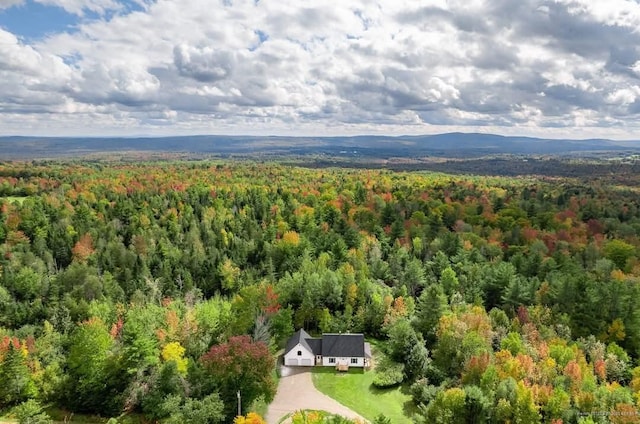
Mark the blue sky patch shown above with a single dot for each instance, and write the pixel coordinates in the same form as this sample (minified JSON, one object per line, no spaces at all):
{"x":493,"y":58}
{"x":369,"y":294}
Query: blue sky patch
{"x":33,"y":21}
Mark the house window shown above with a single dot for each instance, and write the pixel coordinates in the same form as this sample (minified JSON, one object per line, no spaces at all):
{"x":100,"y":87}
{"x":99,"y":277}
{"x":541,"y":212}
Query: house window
{"x":354,"y":360}
{"x":299,"y":353}
{"x":332,"y":360}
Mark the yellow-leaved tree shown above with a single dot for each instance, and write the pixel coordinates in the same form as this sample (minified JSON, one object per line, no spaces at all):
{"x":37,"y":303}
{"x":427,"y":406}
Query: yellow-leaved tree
{"x":251,"y":418}
{"x":175,"y":352}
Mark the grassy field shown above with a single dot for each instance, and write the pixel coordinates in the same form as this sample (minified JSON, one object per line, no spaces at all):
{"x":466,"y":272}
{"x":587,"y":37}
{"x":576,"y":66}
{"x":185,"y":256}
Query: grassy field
{"x":14,"y":199}
{"x":354,"y":390}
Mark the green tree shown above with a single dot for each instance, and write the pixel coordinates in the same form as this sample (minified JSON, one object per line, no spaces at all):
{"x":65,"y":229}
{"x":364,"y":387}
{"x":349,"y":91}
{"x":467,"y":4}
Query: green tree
{"x":413,"y":277}
{"x":15,"y":380}
{"x":281,"y":324}
{"x":164,"y":383}
{"x":477,"y":406}
{"x":88,"y":366}
{"x":27,"y":284}
{"x":558,"y":404}
{"x":208,"y":410}
{"x":448,"y":407}
{"x":141,"y":349}
{"x":619,"y":252}
{"x":513,"y":343}
{"x":405,"y":346}
{"x":49,"y":352}
{"x":496,"y":280}
{"x":449,"y":281}
{"x":431,"y":305}
{"x":31,"y":412}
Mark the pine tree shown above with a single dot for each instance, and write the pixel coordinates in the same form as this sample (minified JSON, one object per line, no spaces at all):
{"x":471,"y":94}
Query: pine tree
{"x":15,"y":381}
{"x":432,"y":304}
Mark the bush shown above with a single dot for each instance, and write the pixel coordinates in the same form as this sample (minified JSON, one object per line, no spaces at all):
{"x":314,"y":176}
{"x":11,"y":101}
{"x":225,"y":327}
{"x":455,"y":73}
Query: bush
{"x":388,"y":374}
{"x":381,"y":419}
{"x":30,"y":412}
{"x":318,"y":417}
{"x":422,"y":392}
{"x":208,"y":410}
{"x":434,"y":374}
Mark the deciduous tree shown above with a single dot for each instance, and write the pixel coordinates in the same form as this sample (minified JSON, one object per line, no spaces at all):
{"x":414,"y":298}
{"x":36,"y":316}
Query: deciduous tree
{"x":240,"y":365}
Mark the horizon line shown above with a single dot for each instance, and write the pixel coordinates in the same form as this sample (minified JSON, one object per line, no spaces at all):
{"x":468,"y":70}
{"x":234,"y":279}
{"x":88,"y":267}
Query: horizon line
{"x":248,"y":135}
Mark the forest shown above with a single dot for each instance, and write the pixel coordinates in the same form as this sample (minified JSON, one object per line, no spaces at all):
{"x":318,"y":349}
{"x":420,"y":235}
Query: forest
{"x":160,"y":289}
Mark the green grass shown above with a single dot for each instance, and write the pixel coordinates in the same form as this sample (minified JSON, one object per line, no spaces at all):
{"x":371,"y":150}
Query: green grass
{"x":354,"y":390}
{"x":60,"y":416}
{"x":14,"y":199}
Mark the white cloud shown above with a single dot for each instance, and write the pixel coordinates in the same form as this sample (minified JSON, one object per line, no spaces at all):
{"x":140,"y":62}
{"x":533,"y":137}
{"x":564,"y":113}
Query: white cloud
{"x":79,"y":7}
{"x":357,"y":66}
{"x":203,"y":64}
{"x":30,"y":81}
{"x":76,"y":7}
{"x":622,"y":13}
{"x":5,"y":4}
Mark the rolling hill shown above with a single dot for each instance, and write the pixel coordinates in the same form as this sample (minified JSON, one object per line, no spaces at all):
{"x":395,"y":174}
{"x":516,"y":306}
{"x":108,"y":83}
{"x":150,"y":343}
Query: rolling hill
{"x":465,"y":145}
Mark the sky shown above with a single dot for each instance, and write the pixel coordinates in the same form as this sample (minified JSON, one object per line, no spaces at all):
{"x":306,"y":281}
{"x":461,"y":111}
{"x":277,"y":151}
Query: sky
{"x":548,"y":68}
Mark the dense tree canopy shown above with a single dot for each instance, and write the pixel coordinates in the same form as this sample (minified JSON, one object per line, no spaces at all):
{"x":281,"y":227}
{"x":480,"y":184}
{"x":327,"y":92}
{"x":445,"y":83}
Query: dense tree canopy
{"x":125,"y":286}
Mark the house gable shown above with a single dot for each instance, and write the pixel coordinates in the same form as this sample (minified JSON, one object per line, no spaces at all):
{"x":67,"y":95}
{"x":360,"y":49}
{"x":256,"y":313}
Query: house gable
{"x":299,"y":355}
{"x":299,"y":337}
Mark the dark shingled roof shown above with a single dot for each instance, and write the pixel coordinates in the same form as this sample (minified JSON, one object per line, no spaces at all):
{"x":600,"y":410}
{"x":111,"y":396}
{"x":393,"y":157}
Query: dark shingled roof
{"x":301,"y":337}
{"x":346,"y":345}
{"x":316,"y":346}
{"x":338,"y":345}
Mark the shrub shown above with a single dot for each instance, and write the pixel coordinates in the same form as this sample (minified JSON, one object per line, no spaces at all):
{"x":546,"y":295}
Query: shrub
{"x":422,"y":392}
{"x":30,"y":412}
{"x":381,"y":419}
{"x":388,"y":374}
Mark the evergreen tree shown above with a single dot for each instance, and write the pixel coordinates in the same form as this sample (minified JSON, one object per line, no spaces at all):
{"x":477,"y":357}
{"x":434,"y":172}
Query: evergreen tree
{"x":431,"y":305}
{"x":15,"y":381}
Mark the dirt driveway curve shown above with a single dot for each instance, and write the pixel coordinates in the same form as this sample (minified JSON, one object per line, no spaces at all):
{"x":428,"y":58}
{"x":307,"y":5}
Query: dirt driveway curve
{"x":296,"y":391}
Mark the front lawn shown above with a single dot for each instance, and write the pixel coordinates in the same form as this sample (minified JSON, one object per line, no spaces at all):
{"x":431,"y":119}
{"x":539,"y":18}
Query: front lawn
{"x":354,"y":390}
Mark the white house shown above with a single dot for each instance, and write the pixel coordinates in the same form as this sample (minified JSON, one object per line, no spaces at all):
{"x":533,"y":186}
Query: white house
{"x":331,"y":350}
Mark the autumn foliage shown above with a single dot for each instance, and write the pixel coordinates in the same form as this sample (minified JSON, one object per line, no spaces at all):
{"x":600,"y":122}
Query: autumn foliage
{"x":162,"y":288}
{"x":241,"y":365}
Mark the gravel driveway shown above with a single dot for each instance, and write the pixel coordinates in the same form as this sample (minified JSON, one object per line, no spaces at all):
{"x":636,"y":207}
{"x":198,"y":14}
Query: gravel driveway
{"x":296,"y":391}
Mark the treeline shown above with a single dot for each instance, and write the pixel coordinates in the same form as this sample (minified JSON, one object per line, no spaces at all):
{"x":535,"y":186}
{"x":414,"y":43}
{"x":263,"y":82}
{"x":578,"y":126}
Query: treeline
{"x":624,"y":171}
{"x":124,"y":287}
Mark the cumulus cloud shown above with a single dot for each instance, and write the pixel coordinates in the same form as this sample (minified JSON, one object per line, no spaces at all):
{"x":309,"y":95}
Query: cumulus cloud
{"x":30,"y":81}
{"x":203,"y":64}
{"x":534,"y":66}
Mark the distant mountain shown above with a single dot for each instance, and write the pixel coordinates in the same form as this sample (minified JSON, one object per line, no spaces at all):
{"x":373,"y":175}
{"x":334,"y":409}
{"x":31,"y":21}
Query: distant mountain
{"x":441,"y":145}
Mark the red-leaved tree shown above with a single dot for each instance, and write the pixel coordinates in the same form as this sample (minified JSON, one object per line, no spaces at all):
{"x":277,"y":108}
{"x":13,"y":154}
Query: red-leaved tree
{"x":240,"y":365}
